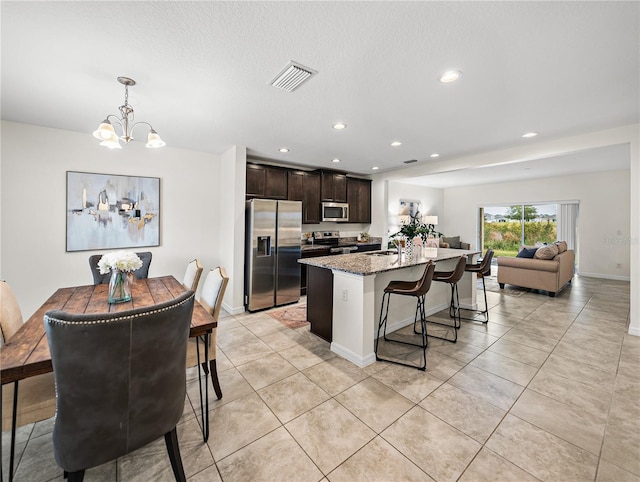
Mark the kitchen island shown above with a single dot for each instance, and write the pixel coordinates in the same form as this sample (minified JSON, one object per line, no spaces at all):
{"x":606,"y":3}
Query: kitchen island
{"x":344,"y":295}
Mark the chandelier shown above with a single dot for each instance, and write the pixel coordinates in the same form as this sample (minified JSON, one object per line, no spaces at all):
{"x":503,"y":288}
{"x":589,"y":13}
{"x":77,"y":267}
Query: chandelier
{"x":107,"y":134}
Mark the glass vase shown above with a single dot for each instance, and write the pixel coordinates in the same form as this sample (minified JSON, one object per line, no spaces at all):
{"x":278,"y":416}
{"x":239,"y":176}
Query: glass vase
{"x":119,"y":289}
{"x":408,"y":249}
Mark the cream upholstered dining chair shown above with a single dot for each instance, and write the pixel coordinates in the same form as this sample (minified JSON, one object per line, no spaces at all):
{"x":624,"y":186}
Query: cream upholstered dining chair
{"x":211,"y":297}
{"x":192,"y":275}
{"x":133,"y":390}
{"x":10,"y":314}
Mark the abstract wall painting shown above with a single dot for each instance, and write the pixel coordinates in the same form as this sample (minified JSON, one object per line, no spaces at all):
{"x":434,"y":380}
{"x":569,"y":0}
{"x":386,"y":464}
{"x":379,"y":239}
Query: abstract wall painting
{"x":111,"y":211}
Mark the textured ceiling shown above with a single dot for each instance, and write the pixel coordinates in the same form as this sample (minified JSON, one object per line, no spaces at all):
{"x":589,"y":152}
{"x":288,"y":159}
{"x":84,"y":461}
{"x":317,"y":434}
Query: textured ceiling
{"x":560,"y":68}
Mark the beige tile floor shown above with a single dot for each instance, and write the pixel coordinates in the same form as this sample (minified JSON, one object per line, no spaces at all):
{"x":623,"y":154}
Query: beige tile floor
{"x":548,"y":390}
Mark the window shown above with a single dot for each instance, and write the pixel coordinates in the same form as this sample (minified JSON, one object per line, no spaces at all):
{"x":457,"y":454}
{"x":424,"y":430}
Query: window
{"x":505,"y":228}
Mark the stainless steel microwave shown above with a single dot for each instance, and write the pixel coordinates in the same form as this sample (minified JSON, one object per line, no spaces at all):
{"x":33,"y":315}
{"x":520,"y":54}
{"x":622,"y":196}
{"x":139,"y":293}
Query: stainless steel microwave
{"x":335,"y":212}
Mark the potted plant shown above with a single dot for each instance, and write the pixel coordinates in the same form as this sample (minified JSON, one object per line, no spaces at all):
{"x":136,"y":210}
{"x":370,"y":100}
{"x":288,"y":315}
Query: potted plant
{"x":408,"y":231}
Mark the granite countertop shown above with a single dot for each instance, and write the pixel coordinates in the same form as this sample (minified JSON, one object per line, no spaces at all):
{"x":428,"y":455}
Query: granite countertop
{"x":375,"y":262}
{"x":341,"y":243}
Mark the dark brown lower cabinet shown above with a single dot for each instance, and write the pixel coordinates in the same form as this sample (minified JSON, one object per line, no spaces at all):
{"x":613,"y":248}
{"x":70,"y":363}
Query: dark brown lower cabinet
{"x":303,"y":267}
{"x":320,"y":301}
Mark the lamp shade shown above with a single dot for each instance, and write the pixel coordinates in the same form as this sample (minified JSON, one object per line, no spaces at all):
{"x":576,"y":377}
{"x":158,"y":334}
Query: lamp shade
{"x":105,"y":131}
{"x":112,"y":142}
{"x":430,"y":220}
{"x":153,"y":140}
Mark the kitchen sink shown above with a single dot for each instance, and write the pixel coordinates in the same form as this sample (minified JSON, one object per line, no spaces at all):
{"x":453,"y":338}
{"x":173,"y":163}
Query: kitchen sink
{"x":381,"y":253}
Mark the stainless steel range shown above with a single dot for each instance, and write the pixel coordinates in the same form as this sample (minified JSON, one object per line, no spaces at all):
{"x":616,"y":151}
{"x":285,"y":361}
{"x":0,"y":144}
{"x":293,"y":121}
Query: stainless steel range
{"x":332,"y":239}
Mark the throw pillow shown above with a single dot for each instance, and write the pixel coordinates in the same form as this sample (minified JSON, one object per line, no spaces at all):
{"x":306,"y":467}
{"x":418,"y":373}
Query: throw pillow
{"x":454,"y":241}
{"x":562,"y":246}
{"x":527,"y":252}
{"x":546,"y":252}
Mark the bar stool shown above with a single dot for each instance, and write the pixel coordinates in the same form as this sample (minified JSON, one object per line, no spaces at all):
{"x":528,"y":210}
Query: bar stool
{"x":418,"y":289}
{"x":482,"y":270}
{"x":452,"y":277}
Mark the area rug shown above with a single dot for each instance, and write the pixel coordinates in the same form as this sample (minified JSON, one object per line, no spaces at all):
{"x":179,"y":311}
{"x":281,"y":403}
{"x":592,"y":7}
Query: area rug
{"x":293,"y":317}
{"x":491,"y":283}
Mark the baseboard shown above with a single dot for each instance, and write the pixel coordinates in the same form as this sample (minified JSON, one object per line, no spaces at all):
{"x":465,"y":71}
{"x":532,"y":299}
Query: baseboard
{"x":232,"y":311}
{"x":634,"y":331}
{"x":605,"y":276}
{"x":361,"y":361}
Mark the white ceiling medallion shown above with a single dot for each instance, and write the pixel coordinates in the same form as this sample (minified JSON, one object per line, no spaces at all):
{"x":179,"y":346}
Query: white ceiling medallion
{"x":292,"y":76}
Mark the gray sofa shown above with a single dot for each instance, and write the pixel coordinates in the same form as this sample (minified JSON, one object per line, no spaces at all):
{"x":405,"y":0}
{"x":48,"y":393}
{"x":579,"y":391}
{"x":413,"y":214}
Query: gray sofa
{"x":453,"y":242}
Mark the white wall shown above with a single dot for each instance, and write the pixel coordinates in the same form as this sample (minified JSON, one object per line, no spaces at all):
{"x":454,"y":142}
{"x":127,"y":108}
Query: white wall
{"x":386,"y":220}
{"x":232,"y":225}
{"x":33,"y":205}
{"x":603,"y":220}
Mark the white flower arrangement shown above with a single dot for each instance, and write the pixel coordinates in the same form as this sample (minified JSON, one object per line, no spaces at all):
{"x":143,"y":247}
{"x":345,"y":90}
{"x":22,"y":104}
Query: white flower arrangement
{"x":121,"y":260}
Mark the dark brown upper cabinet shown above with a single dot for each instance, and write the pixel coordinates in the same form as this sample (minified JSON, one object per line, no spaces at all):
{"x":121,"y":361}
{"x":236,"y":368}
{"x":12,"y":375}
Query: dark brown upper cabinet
{"x":266,"y":181}
{"x":311,"y":198}
{"x":295,"y":190}
{"x":334,"y":187}
{"x":359,"y":199}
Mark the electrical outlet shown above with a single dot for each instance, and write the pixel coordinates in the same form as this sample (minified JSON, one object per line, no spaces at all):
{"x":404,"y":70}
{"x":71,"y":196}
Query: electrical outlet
{"x":345,"y":295}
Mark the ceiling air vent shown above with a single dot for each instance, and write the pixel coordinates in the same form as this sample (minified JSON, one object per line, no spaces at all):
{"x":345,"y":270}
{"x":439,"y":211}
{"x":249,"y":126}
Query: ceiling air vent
{"x":292,"y":76}
{"x":411,"y":161}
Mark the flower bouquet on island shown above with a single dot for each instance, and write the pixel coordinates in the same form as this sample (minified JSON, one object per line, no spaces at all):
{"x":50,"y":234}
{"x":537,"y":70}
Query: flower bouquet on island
{"x":120,"y":264}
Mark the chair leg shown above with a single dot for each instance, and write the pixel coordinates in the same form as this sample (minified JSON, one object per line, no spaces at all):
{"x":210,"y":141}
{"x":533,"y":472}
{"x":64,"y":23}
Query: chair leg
{"x":171,"y":440}
{"x":383,"y":323}
{"x":454,"y":312}
{"x":485,"y":312}
{"x":77,"y":476}
{"x":214,"y":378}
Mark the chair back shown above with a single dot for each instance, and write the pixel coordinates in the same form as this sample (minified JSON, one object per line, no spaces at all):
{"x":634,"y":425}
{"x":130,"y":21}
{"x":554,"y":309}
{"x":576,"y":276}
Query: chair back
{"x":143,"y":271}
{"x":192,"y":275}
{"x":485,"y":265}
{"x":101,"y":279}
{"x":213,"y":290}
{"x":98,"y":278}
{"x":120,"y":379}
{"x":10,"y":314}
{"x":458,"y":271}
{"x":425,"y":282}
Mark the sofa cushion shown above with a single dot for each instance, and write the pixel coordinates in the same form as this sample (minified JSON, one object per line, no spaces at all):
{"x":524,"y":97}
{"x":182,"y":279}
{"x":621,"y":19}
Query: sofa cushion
{"x":562,"y":246}
{"x":453,"y":241}
{"x":546,"y":252}
{"x":526,"y":252}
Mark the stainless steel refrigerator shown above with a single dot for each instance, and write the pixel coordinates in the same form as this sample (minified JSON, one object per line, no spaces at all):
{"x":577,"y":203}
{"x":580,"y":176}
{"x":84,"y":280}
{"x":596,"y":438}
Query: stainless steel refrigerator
{"x":272,"y":272}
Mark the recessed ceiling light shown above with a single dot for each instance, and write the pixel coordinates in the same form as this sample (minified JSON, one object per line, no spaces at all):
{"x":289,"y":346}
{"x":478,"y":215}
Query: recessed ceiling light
{"x":339,"y":126}
{"x":435,"y":154}
{"x":335,"y":160}
{"x":396,"y":143}
{"x":283,"y":149}
{"x":450,"y":76}
{"x":375,"y":168}
{"x":530,"y":134}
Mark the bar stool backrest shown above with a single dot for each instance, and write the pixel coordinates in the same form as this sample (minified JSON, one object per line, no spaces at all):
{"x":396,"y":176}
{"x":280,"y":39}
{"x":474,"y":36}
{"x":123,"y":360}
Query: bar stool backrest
{"x":485,"y":265}
{"x":425,"y":282}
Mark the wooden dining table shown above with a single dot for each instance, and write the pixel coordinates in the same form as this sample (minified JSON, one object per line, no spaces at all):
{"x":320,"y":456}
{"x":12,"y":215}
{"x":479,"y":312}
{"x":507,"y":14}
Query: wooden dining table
{"x":27,"y":352}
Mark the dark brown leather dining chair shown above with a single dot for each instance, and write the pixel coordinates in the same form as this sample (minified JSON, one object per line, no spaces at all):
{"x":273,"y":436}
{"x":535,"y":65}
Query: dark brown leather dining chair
{"x":120,"y":382}
{"x":140,"y":273}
